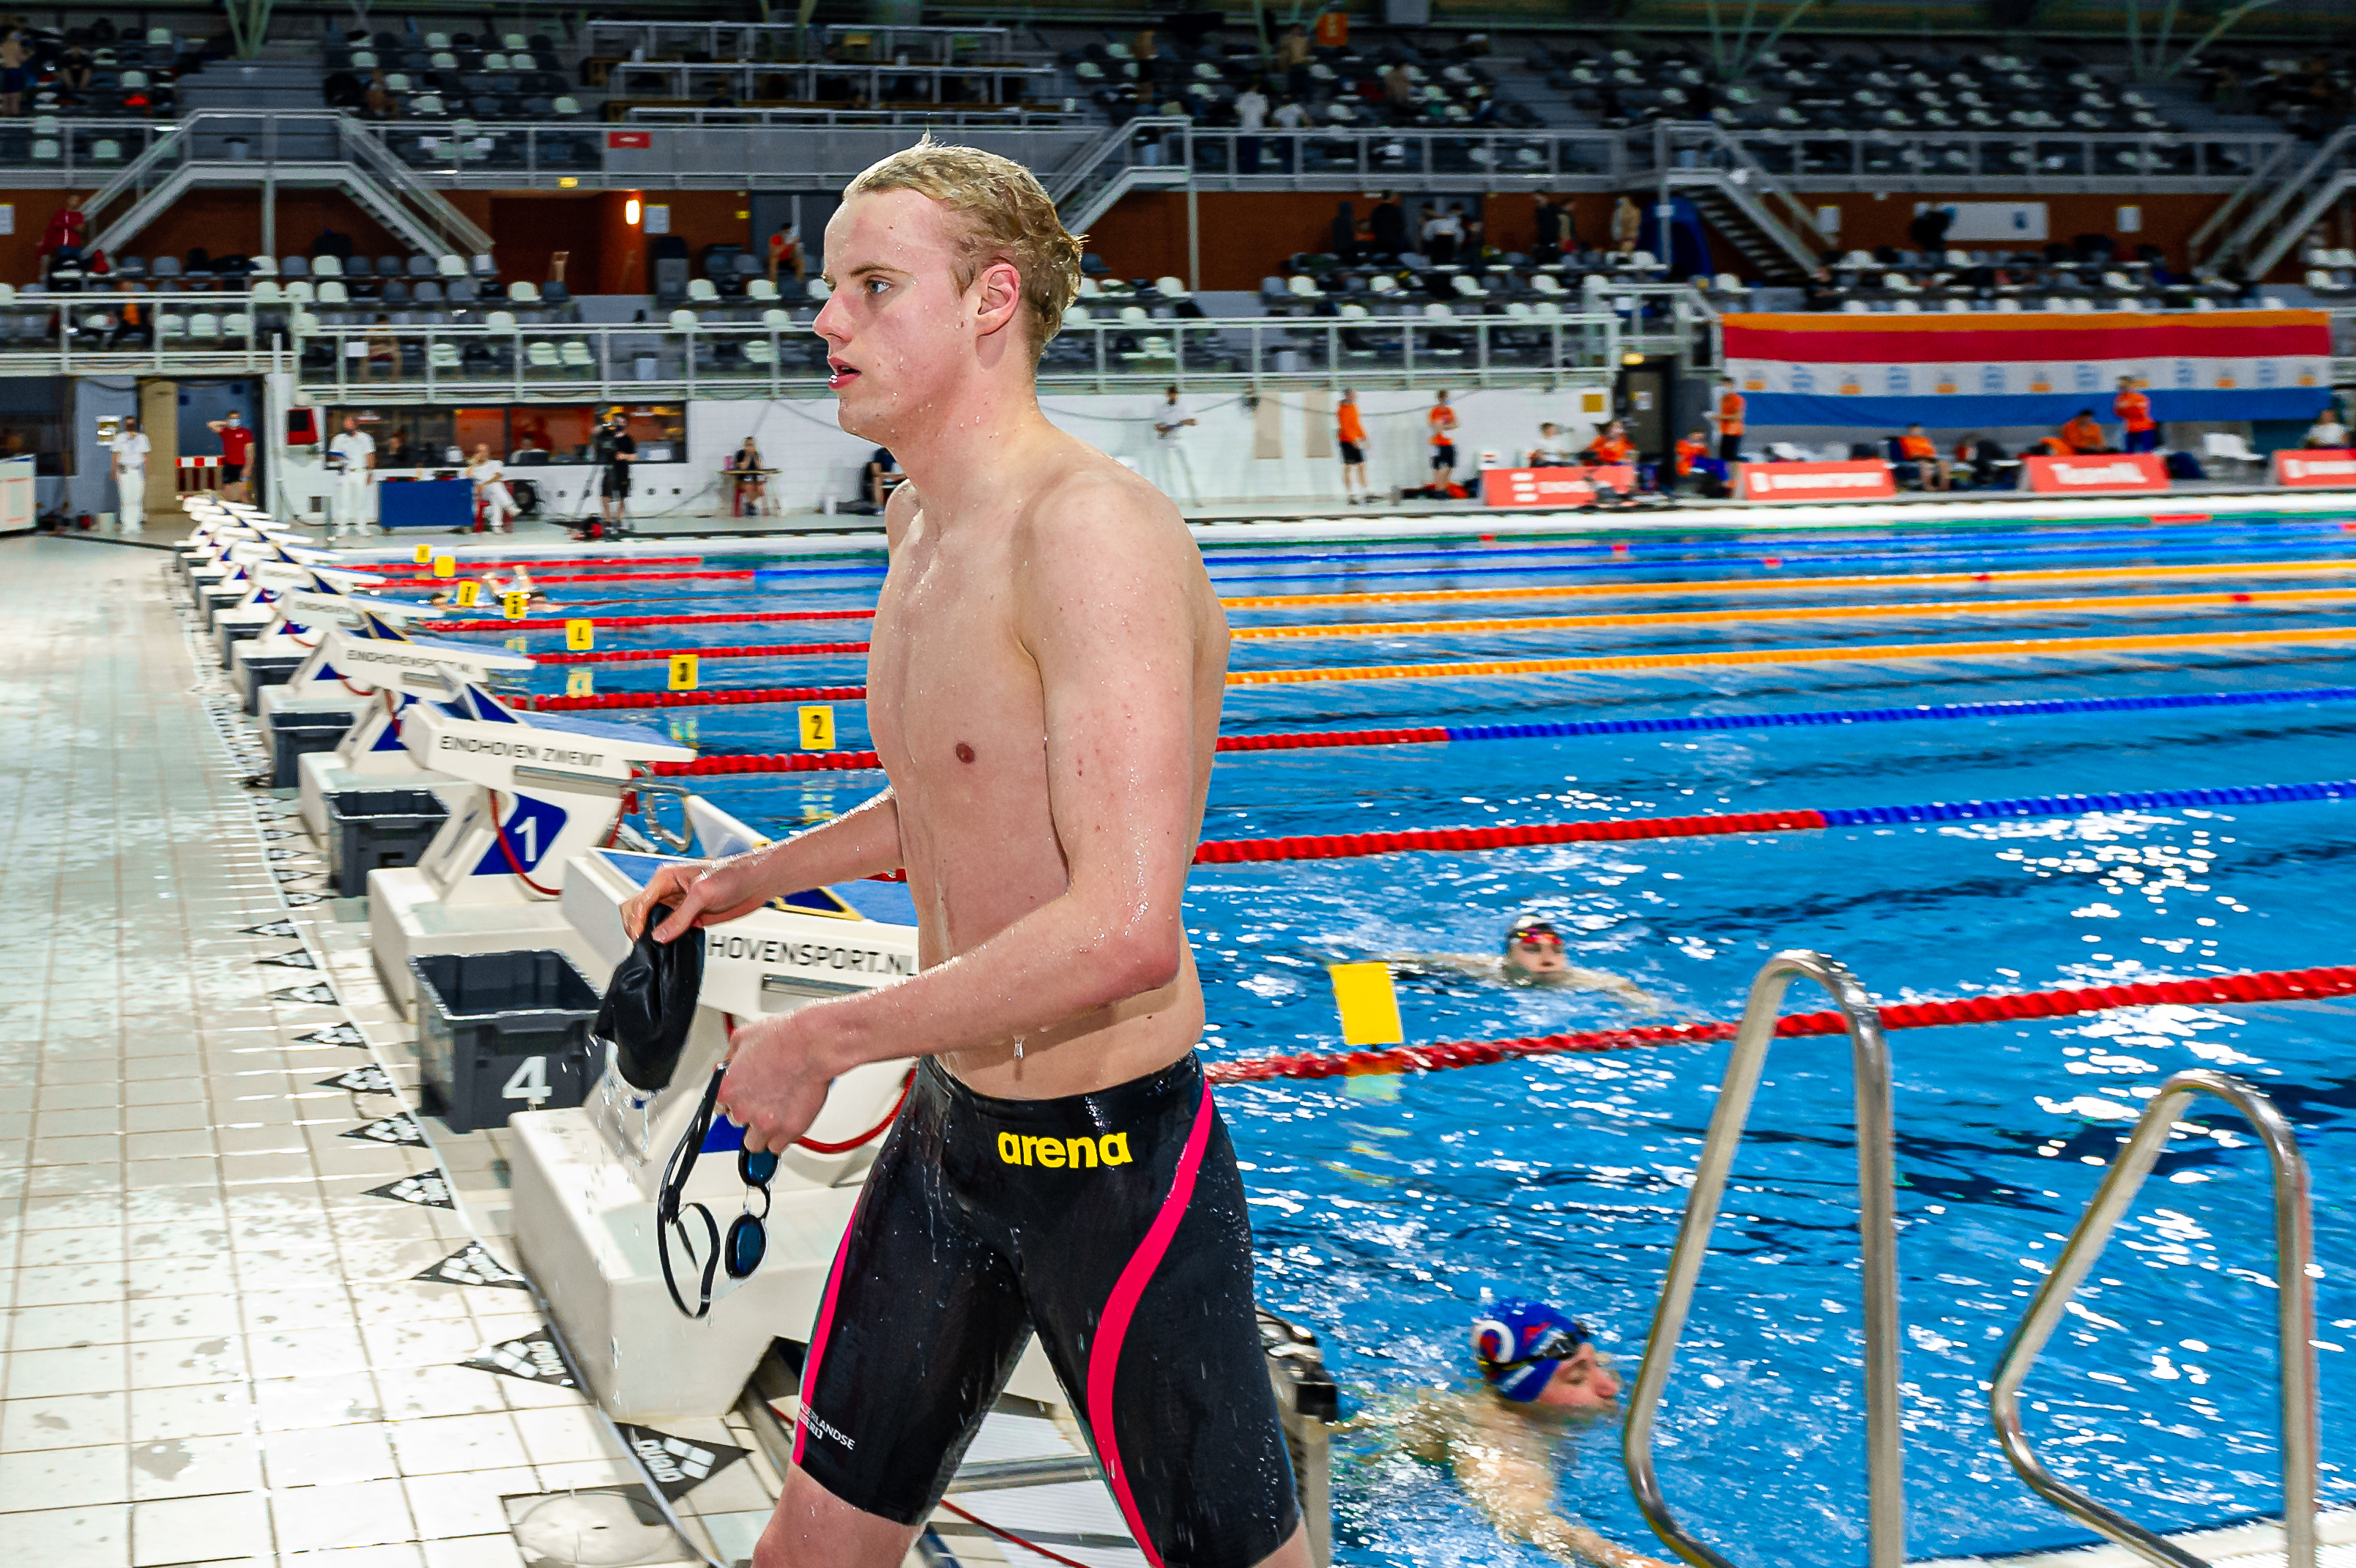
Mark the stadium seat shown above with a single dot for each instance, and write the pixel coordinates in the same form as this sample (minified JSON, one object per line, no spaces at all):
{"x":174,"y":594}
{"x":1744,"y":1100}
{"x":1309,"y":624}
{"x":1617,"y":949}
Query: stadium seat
{"x":576,"y":355}
{"x":520,"y":293}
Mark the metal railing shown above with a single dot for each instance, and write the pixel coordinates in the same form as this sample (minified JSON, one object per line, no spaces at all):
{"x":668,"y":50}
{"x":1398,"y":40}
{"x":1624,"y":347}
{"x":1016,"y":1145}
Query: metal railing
{"x":790,"y":40}
{"x":73,"y":153}
{"x":803,"y":79}
{"x":956,"y":116}
{"x":87,"y":333}
{"x":2295,"y":1316}
{"x":1877,"y":1234}
{"x":2291,"y":206}
{"x":572,"y":363}
{"x":2020,"y":160}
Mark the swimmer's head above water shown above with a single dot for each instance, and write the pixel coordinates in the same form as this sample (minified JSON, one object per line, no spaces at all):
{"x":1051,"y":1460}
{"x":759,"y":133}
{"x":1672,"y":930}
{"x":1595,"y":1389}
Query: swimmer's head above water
{"x":1532,"y":1354}
{"x":1533,"y":947}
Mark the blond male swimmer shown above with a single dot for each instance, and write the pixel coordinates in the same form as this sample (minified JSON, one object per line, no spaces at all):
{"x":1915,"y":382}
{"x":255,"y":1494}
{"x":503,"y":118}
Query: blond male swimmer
{"x":1047,"y":662}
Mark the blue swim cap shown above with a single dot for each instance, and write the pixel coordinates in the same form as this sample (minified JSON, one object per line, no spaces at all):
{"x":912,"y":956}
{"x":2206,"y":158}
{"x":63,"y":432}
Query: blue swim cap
{"x":1519,"y":1343}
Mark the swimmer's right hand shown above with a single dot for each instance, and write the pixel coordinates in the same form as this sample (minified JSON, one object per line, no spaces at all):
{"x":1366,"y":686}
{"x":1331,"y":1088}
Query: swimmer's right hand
{"x":700,"y":894}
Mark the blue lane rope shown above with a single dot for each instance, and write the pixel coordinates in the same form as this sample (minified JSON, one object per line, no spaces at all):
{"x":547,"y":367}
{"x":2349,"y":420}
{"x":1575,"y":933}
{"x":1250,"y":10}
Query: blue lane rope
{"x":2071,"y":805}
{"x":2020,"y":709}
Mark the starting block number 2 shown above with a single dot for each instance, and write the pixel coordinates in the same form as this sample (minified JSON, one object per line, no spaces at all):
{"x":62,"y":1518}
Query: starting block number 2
{"x":818,"y":727}
{"x":682,"y":672}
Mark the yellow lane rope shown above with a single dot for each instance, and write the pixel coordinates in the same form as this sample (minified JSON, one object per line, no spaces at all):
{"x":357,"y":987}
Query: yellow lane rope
{"x":1894,"y":609}
{"x":2011,"y":647}
{"x":1790,"y":585}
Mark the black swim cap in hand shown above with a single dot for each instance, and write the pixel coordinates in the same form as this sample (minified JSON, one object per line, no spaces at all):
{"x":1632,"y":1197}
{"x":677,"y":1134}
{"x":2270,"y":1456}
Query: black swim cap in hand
{"x":649,"y":1003}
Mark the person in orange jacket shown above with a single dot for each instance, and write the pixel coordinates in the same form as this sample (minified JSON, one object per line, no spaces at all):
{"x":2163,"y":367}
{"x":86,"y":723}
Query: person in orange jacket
{"x":1612,"y":446}
{"x":1730,"y":406}
{"x":2134,"y":408}
{"x":1350,"y":435}
{"x":2082,"y":437}
{"x":1922,"y":452}
{"x":1694,"y":445}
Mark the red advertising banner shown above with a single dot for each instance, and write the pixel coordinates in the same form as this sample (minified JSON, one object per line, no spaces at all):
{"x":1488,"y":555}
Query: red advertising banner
{"x":1551,"y":486}
{"x":2317,"y":467}
{"x":2124,"y":471}
{"x":1865,"y":479}
{"x":617,"y":140}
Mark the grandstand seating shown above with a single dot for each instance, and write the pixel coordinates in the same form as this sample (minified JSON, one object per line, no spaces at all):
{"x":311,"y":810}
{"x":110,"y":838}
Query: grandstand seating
{"x":103,"y":69}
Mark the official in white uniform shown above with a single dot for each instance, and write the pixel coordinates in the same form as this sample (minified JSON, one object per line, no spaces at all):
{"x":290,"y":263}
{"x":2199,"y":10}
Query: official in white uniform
{"x":356,"y":450}
{"x":490,"y":478}
{"x":1170,"y":427}
{"x":130,"y":447}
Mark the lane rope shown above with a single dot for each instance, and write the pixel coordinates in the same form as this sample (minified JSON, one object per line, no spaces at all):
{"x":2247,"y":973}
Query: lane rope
{"x":1352,"y":846}
{"x":1441,"y":734}
{"x":703,"y":697}
{"x":1896,"y":610}
{"x":554,"y":564}
{"x":2008,"y":648}
{"x":738,"y":617}
{"x":2268,"y":985}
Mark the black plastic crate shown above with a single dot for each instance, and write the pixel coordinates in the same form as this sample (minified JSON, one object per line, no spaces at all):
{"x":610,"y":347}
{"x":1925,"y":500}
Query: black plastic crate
{"x":371,"y":828}
{"x":295,"y":732}
{"x":230,"y":634}
{"x":273,"y":669}
{"x":499,"y":1032}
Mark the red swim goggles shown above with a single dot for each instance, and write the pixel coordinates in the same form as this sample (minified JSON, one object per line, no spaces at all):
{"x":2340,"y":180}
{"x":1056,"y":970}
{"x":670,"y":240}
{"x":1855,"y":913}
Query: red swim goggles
{"x":1535,"y":934}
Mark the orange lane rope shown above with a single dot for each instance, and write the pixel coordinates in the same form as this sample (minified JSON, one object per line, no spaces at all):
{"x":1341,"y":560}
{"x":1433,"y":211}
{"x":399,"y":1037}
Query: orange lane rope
{"x":1895,"y":610}
{"x":1800,"y":584}
{"x":2008,"y":647}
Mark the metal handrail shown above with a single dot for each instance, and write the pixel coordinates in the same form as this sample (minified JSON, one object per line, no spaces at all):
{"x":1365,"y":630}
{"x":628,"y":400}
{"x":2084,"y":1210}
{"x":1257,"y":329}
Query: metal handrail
{"x":2295,"y":1291}
{"x":2280,"y":194}
{"x":1877,"y":1234}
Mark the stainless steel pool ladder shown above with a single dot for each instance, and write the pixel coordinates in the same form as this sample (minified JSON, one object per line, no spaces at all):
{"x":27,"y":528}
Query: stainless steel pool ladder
{"x":2295,"y":1318}
{"x":1876,"y":1232}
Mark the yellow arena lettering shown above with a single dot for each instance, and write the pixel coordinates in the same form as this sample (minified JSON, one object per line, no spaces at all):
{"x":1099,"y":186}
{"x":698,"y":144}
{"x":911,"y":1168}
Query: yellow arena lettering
{"x":1080,"y":1150}
{"x":1115,"y":1148}
{"x":1010,"y":1150}
{"x":1050,"y":1151}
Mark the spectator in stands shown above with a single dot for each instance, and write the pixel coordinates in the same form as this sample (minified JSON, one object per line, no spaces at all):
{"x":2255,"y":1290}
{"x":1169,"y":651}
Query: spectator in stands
{"x":1553,"y":224}
{"x":2081,"y":436}
{"x":1552,"y":451}
{"x":1289,"y":115}
{"x":1691,"y":446}
{"x":1342,"y":234}
{"x":377,"y":102}
{"x":1473,"y":247}
{"x":236,"y":456}
{"x":1627,"y":227}
{"x":1251,"y":118}
{"x":2327,"y":430}
{"x":381,"y":351}
{"x":786,"y":251}
{"x":1293,"y":53}
{"x":1930,"y":467}
{"x":1609,"y":447}
{"x":1732,"y":405}
{"x":1929,"y":230}
{"x":1145,"y":51}
{"x":2134,"y":409}
{"x":1350,"y":439}
{"x":1388,"y":221}
{"x":73,"y":70}
{"x":1441,"y":232}
{"x":16,"y":55}
{"x":1443,"y":420}
{"x":1398,"y":88}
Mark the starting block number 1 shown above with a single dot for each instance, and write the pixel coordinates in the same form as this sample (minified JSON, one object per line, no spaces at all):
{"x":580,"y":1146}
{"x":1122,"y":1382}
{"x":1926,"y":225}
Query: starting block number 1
{"x":515,"y":606}
{"x":818,"y":727}
{"x":682,"y":672}
{"x":580,"y":636}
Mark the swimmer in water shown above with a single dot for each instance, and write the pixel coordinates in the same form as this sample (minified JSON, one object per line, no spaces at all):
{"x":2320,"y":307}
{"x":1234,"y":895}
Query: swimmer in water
{"x":1541,"y":1376}
{"x":1532,"y":956}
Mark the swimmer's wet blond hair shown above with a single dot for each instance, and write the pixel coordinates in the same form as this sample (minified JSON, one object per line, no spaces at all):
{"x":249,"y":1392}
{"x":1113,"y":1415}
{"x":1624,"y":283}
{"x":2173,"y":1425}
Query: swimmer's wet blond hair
{"x":1006,"y":216}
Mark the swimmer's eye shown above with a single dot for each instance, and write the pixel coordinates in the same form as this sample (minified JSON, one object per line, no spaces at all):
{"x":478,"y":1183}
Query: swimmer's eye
{"x":876,"y":286}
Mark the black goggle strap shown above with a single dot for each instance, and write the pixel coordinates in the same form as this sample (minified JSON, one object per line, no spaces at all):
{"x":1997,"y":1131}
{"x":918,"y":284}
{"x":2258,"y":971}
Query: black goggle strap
{"x":670,"y":1213}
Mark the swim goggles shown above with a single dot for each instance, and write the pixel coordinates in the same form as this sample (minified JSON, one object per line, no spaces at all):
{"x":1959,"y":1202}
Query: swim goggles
{"x":1537,"y":934}
{"x":1559,"y":1346}
{"x":716,"y":1262}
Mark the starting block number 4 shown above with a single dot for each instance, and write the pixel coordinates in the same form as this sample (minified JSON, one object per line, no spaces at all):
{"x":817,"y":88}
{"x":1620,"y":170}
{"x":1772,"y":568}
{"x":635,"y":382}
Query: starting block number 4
{"x":528,"y":1082}
{"x":470,"y":593}
{"x":682,"y":672}
{"x":516,"y":605}
{"x":580,"y":682}
{"x":818,"y":727}
{"x":580,"y":636}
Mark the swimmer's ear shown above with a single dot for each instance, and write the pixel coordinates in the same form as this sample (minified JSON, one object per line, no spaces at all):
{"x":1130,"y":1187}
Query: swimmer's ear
{"x":997,"y":297}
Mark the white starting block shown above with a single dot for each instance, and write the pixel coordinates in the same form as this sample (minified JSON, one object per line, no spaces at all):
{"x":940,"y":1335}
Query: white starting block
{"x":548,"y":789}
{"x":305,"y":611}
{"x":277,"y":572}
{"x":394,"y":671}
{"x":585,"y":1180}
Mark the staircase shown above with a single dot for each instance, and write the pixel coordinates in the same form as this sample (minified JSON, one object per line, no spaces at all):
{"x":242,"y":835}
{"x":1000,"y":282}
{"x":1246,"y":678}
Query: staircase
{"x":1088,"y":185}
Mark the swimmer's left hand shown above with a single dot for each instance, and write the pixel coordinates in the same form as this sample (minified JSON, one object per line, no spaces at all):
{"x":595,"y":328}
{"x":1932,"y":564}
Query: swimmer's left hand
{"x":775,"y":1084}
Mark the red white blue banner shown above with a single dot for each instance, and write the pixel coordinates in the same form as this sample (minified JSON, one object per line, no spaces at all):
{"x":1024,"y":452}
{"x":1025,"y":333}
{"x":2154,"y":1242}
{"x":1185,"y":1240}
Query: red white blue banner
{"x":1960,"y":371}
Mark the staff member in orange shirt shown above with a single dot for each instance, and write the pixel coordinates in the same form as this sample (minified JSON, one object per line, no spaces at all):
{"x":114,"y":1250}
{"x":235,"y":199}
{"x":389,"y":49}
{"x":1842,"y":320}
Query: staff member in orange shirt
{"x":1695,"y":444}
{"x":1612,"y":446}
{"x":2134,"y":409}
{"x":2083,"y":436}
{"x":1444,"y":442}
{"x":1730,"y":404}
{"x":1922,"y":452}
{"x":1350,"y":435}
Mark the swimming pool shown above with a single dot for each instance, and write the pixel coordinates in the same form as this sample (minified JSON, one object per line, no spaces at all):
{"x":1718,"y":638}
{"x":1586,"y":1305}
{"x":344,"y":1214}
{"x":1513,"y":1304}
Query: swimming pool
{"x":1384,"y":1214}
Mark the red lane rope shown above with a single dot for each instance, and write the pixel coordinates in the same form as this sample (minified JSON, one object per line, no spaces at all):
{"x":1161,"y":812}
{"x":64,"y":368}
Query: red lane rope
{"x":853,"y":761}
{"x":427,"y":580}
{"x":558,"y":563}
{"x":721,"y":697}
{"x":663,"y":655}
{"x":1010,"y":1535}
{"x":789,"y":762}
{"x":497,"y":623}
{"x":2268,"y":986}
{"x":1344,"y":847}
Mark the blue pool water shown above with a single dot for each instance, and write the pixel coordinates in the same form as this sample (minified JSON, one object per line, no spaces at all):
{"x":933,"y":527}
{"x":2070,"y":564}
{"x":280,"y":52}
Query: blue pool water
{"x":1385,"y":1214}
